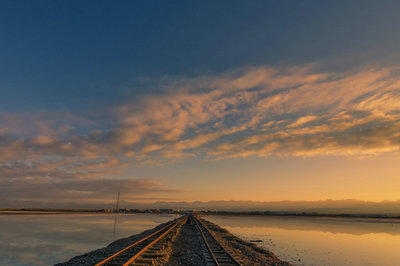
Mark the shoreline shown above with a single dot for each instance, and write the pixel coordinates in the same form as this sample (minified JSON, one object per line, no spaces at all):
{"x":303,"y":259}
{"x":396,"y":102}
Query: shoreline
{"x":321,"y":217}
{"x":6,"y":213}
{"x":331,"y":218}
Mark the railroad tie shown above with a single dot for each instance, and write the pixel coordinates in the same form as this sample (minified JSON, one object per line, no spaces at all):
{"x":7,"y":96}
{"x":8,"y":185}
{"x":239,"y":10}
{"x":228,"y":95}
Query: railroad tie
{"x":145,"y":261}
{"x":153,"y":255}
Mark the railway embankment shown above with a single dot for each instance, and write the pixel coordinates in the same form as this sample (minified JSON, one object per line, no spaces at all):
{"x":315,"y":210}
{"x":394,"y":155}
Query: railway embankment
{"x":189,"y":245}
{"x":96,"y":256}
{"x":246,"y":252}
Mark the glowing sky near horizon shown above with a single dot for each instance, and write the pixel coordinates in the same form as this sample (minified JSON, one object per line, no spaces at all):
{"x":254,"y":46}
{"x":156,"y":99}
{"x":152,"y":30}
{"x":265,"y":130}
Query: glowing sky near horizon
{"x":184,"y":101}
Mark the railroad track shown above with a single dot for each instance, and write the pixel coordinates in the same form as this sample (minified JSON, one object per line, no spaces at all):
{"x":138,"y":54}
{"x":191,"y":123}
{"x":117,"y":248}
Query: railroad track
{"x":214,"y":252}
{"x":146,"y":250}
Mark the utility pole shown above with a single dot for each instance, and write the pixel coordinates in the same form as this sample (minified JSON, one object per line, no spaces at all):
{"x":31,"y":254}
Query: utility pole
{"x":116,"y":208}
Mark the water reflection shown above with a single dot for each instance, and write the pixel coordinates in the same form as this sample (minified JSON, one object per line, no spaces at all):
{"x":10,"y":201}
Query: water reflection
{"x":115,"y":224}
{"x":321,"y":241}
{"x":325,"y":224}
{"x":48,"y":239}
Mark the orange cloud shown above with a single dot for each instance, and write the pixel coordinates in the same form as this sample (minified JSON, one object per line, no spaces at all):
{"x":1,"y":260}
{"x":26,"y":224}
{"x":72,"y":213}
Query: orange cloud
{"x":258,"y":111}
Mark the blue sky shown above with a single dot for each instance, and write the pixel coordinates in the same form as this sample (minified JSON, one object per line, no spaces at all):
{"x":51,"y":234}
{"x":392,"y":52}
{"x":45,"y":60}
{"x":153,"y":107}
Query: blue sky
{"x":61,"y":55}
{"x":144,"y":96}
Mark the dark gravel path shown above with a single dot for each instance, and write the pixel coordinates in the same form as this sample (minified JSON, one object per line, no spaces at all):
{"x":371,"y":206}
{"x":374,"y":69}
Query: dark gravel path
{"x":187,"y":248}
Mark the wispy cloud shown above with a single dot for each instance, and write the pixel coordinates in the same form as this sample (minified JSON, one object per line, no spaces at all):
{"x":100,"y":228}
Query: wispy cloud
{"x":264,"y":111}
{"x":259,"y":111}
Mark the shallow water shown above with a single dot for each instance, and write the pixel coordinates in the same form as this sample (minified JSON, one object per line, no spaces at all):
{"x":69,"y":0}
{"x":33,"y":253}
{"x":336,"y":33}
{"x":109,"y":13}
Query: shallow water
{"x":49,"y":239}
{"x":320,"y":241}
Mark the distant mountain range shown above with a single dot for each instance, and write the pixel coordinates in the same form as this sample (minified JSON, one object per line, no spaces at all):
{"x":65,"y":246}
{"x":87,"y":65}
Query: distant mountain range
{"x":348,"y":206}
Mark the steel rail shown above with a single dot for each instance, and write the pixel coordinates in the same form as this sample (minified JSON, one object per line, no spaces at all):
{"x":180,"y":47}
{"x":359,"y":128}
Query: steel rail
{"x":149,"y":245}
{"x":207,"y":245}
{"x":198,"y":222}
{"x":103,"y":262}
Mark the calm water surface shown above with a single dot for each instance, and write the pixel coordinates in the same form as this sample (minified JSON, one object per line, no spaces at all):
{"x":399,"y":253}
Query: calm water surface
{"x":49,"y":239}
{"x":320,"y":241}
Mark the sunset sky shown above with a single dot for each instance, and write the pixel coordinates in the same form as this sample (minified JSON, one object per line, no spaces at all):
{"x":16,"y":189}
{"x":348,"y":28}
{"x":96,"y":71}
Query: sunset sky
{"x":198,"y":100}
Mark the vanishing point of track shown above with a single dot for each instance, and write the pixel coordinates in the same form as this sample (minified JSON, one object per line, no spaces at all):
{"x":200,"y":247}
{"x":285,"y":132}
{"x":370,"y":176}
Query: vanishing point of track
{"x":144,"y":251}
{"x":151,"y":247}
{"x":215,"y":253}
